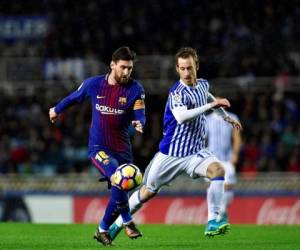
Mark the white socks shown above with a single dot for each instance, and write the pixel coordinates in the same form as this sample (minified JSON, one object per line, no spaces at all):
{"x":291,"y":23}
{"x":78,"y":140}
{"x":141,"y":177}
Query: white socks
{"x":134,"y":205}
{"x":214,"y":198}
{"x":226,"y":200}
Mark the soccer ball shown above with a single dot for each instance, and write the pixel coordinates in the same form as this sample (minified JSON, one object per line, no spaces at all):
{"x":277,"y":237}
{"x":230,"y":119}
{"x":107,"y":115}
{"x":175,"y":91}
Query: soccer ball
{"x":127,"y":177}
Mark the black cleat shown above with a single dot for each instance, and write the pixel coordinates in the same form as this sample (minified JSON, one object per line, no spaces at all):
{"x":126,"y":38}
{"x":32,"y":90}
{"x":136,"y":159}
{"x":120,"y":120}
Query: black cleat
{"x":131,"y":231}
{"x":103,"y":238}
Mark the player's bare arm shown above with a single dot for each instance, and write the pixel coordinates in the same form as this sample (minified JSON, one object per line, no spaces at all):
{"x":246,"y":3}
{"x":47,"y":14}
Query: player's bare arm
{"x":220,"y":110}
{"x":233,"y":122}
{"x":236,"y":146}
{"x":220,"y":103}
{"x":52,"y":115}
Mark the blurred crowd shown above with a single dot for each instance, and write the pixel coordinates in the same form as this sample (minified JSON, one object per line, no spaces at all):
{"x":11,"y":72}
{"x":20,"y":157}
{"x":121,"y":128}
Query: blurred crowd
{"x":250,"y":39}
{"x":258,"y":37}
{"x":271,"y":132}
{"x":29,"y":143}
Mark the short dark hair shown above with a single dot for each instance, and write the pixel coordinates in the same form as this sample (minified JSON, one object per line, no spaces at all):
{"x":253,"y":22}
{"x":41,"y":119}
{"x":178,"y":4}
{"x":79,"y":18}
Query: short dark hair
{"x":123,"y":53}
{"x":187,"y":52}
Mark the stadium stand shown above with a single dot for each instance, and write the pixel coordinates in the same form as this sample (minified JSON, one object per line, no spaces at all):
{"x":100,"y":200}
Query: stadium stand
{"x":238,"y":49}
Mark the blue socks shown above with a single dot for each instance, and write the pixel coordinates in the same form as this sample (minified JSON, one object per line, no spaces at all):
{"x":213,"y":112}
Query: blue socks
{"x":118,"y":204}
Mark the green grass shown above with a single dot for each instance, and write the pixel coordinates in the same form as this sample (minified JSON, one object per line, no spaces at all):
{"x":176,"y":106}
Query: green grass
{"x":47,"y":236}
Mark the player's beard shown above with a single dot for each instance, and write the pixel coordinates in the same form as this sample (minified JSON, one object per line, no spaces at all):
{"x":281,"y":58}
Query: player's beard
{"x":191,"y":81}
{"x":122,"y":79}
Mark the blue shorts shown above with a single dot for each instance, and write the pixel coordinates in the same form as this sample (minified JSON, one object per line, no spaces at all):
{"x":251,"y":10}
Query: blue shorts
{"x":107,"y":162}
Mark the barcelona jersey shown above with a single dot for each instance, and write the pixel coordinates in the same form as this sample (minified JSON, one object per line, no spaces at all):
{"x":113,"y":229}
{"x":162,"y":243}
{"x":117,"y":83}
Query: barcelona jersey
{"x":113,"y":109}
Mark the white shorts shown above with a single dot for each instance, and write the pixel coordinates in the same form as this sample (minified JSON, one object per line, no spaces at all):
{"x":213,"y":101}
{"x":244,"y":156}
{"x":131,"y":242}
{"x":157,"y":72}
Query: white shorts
{"x":230,"y":176}
{"x":163,"y":168}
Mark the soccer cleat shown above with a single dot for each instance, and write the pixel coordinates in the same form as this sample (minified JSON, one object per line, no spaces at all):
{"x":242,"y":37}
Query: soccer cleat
{"x":114,"y":230}
{"x":131,"y":231}
{"x":103,"y":238}
{"x":224,"y":226}
{"x":215,"y":227}
{"x":212,"y":228}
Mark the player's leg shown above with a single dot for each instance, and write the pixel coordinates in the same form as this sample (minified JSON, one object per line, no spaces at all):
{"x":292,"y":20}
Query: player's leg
{"x":118,"y":203}
{"x":138,"y":198}
{"x":215,"y":173}
{"x":123,"y":209}
{"x":105,"y":165}
{"x":145,"y":192}
{"x":136,"y":201}
{"x":101,"y":234}
{"x":230,"y":180}
{"x":153,"y":181}
{"x":206,"y":164}
{"x":215,"y":192}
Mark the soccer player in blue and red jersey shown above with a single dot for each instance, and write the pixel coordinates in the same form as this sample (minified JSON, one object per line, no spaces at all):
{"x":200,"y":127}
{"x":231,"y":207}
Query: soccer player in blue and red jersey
{"x":117,"y":101}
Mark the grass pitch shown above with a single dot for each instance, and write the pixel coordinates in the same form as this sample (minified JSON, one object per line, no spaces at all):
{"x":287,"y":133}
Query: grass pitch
{"x":60,"y":236}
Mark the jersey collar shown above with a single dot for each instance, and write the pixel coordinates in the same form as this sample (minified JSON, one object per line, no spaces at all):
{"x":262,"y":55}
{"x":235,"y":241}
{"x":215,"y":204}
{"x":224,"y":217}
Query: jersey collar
{"x":191,"y":87}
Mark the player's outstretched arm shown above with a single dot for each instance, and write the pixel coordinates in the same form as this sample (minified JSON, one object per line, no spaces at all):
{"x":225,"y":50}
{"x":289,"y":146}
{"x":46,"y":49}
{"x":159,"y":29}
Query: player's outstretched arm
{"x":220,"y":111}
{"x":233,"y":122}
{"x":77,"y":96}
{"x":52,"y":115}
{"x":182,"y":114}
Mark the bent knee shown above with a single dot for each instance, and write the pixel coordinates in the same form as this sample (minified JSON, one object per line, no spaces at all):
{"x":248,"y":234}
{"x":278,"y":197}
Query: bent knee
{"x":228,"y":186}
{"x":214,"y":170}
{"x":146,"y":194}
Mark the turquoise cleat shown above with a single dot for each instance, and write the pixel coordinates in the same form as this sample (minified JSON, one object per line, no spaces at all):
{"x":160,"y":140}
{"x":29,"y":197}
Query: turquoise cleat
{"x":215,"y":227}
{"x":114,"y":230}
{"x":212,"y":228}
{"x":224,"y":226}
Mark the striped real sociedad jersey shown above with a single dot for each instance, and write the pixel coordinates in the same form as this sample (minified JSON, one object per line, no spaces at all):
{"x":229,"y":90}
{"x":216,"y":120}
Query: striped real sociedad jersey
{"x":113,"y":109}
{"x":219,"y":135}
{"x":188,"y":138}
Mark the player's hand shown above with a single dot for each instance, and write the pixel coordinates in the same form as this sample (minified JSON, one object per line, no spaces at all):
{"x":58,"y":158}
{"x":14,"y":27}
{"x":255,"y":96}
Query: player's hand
{"x":138,"y":126}
{"x":233,"y":122}
{"x":52,"y":115}
{"x":221,"y":102}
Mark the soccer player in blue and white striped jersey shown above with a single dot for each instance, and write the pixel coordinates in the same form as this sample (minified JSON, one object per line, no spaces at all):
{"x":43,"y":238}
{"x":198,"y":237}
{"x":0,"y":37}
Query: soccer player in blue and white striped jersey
{"x":182,"y":148}
{"x":224,"y":142}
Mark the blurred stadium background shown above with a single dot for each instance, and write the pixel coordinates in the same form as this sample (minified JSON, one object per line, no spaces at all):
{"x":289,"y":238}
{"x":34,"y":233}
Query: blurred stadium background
{"x":249,"y":52}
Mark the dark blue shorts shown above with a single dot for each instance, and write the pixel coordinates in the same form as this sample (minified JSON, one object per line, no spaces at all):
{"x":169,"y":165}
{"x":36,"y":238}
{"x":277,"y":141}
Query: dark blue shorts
{"x":107,"y":162}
